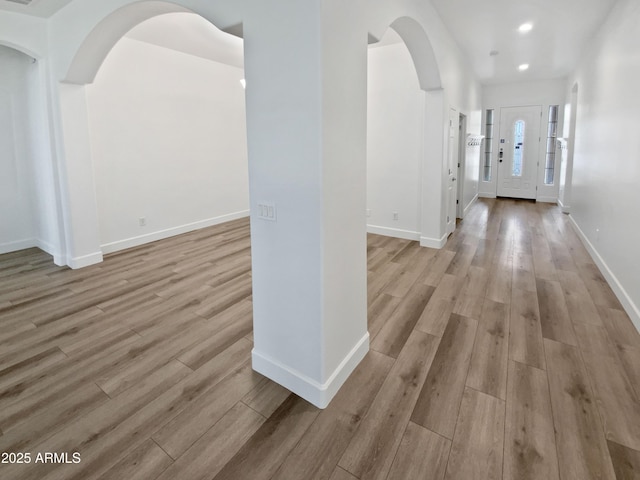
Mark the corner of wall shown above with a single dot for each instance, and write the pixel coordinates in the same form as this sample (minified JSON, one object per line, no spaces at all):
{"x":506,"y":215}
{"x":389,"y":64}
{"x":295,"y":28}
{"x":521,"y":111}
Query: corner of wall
{"x":316,"y":393}
{"x":437,"y":243}
{"x":85,"y":260}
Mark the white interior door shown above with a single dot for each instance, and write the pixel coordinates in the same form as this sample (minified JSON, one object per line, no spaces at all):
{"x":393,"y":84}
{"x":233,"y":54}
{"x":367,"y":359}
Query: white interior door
{"x":518,"y":151}
{"x":452,"y":165}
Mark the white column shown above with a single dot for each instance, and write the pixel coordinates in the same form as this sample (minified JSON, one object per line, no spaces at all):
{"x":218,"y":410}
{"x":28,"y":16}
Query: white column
{"x":77,"y":182}
{"x":305,"y":64}
{"x":434,"y":169}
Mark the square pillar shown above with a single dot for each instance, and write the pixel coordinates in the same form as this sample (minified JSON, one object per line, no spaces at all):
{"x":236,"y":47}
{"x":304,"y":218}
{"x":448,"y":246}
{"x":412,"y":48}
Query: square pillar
{"x":305,"y":66}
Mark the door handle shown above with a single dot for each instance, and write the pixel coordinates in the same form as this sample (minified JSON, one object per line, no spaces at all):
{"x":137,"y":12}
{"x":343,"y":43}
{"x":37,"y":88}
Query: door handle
{"x":453,"y":179}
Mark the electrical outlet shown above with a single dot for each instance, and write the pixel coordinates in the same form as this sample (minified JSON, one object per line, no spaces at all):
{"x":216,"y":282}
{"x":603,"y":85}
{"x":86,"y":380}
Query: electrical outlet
{"x":395,"y":216}
{"x":142,"y":221}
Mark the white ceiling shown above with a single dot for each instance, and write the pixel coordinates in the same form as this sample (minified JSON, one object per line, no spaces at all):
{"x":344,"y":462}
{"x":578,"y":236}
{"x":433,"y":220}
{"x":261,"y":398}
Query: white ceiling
{"x":561,"y":28}
{"x":552,"y":49}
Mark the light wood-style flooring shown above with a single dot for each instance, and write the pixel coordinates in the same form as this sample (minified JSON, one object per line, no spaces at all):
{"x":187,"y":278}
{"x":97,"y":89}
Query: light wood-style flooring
{"x":504,"y":355}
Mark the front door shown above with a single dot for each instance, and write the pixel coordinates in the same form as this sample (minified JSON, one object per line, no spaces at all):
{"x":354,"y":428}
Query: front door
{"x":518,"y":151}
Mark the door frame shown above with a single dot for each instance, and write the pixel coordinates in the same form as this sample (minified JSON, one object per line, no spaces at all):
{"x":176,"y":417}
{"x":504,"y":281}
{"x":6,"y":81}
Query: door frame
{"x":462,"y":162}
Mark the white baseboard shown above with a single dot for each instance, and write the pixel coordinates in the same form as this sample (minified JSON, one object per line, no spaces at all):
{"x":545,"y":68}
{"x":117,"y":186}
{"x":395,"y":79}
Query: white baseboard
{"x":434,"y":242}
{"x":170,"y":232}
{"x":487,"y":195}
{"x":85,"y":260}
{"x":46,"y":247}
{"x":629,"y":305}
{"x":547,"y":199}
{"x":319,"y":394}
{"x":17,"y":245}
{"x":564,"y":208}
{"x":469,"y":205}
{"x":393,"y":232}
{"x":51,"y":250}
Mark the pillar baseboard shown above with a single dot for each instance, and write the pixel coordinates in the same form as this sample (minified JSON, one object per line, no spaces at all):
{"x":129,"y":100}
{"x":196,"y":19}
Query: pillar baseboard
{"x":319,"y":394}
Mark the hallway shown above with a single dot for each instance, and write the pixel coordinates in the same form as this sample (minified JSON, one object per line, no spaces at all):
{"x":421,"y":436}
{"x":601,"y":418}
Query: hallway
{"x":479,"y":353}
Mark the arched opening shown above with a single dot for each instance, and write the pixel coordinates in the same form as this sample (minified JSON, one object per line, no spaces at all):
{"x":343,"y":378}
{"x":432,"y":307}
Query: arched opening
{"x":422,"y":86}
{"x":27,"y":189}
{"x":395,"y":124}
{"x":168,"y":131}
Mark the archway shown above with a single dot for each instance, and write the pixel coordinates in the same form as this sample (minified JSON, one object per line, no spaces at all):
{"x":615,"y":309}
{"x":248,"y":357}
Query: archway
{"x":81,"y":209}
{"x":432,"y":222}
{"x":395,"y":150}
{"x":168,"y":131}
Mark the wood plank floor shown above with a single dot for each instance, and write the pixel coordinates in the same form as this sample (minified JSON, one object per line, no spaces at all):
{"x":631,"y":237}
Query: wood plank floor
{"x":504,"y":355}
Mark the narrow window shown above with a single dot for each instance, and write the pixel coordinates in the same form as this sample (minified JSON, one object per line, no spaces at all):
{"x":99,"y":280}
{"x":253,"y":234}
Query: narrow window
{"x":552,"y":136}
{"x":518,"y":148}
{"x":488,"y":145}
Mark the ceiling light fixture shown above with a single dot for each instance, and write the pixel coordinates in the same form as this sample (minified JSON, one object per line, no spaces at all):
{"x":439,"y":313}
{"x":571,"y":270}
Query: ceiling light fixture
{"x":523,"y":67}
{"x":525,"y":27}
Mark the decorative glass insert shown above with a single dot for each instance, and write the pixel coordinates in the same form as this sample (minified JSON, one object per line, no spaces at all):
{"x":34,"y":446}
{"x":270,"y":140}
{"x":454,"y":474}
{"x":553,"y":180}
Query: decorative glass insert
{"x":552,"y":136}
{"x":488,"y":145}
{"x":518,"y":148}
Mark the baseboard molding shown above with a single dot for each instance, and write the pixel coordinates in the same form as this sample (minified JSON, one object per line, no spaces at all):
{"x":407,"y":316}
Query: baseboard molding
{"x":170,"y":232}
{"x":17,"y":245}
{"x":564,"y":208}
{"x":487,"y":195}
{"x":51,"y":250}
{"x":469,"y":205}
{"x":433,"y":242}
{"x":319,"y":394}
{"x":629,"y":305}
{"x":393,"y":232}
{"x":547,"y":199}
{"x":46,"y":247}
{"x":85,"y":260}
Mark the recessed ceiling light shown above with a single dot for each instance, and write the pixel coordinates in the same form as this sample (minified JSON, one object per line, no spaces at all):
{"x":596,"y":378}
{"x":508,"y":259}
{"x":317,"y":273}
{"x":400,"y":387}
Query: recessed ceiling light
{"x":525,"y":27}
{"x":523,"y":67}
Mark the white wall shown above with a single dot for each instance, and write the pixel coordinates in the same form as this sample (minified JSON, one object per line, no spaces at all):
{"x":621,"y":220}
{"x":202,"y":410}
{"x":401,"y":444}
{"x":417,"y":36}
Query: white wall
{"x":606,"y":170}
{"x":544,"y":93}
{"x":395,"y":124}
{"x":17,"y":217}
{"x":168,"y":140}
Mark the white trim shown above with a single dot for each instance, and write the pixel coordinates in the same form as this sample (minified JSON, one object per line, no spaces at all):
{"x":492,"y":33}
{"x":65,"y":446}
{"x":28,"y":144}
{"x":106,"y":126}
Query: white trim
{"x":170,"y":232}
{"x":17,"y":245}
{"x":630,"y":307}
{"x":469,"y":205}
{"x":319,"y":394}
{"x":393,"y":232}
{"x":434,"y":242}
{"x":564,"y":208}
{"x":547,"y":199}
{"x":58,"y":259}
{"x":487,"y":195}
{"x":85,"y":260}
{"x":46,"y":247}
